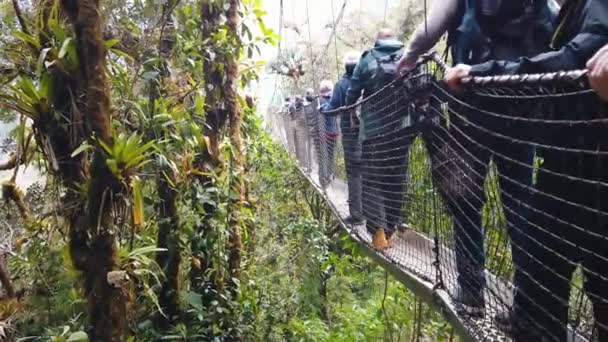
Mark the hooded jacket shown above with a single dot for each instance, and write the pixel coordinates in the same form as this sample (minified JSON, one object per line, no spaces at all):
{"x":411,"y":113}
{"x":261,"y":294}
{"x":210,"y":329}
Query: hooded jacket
{"x":331,"y":121}
{"x":362,"y":80}
{"x":581,"y":31}
{"x":338,"y":98}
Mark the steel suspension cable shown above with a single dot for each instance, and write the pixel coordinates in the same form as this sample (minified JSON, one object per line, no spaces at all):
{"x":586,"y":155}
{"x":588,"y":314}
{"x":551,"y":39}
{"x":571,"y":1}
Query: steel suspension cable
{"x":312,"y":57}
{"x":333,"y":19}
{"x":336,"y":22}
{"x":385,"y":13}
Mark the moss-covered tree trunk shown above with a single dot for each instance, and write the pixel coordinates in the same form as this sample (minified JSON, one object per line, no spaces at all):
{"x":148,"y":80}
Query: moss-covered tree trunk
{"x":208,"y":158}
{"x":235,"y":114}
{"x":107,"y":301}
{"x":169,"y":259}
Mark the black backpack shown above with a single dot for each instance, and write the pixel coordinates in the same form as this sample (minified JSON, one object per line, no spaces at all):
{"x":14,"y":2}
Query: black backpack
{"x":386,"y":71}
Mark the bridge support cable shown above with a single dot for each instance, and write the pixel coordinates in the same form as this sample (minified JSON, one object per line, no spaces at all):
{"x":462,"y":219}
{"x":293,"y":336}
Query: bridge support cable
{"x":491,"y":201}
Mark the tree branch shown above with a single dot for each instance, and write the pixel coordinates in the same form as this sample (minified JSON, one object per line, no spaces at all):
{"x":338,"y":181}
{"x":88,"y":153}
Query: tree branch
{"x":19,"y":15}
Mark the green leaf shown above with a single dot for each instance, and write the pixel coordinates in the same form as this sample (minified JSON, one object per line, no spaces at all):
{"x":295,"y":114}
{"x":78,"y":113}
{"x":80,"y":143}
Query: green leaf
{"x":110,"y":43}
{"x":113,"y":166}
{"x":149,"y":75}
{"x":64,"y":48}
{"x":145,"y":250}
{"x":41,"y":60}
{"x":138,"y":202}
{"x":78,"y":336}
{"x":28,"y":38}
{"x":82,"y":148}
{"x":194,"y":299}
{"x":123,"y":54}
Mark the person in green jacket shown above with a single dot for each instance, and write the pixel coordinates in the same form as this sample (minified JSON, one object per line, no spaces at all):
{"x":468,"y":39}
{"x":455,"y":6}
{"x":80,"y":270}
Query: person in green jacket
{"x":385,"y":142}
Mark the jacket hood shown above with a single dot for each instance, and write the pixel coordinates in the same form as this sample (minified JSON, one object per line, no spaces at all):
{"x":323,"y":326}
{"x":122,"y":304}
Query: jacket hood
{"x":388,"y":45}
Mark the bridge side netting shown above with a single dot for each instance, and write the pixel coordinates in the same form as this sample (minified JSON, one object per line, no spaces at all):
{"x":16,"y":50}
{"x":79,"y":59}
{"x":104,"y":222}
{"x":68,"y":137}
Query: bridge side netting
{"x":498,"y":196}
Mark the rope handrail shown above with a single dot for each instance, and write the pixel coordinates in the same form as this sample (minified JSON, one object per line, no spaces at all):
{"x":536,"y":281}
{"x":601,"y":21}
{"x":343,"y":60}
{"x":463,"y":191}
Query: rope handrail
{"x":493,"y":198}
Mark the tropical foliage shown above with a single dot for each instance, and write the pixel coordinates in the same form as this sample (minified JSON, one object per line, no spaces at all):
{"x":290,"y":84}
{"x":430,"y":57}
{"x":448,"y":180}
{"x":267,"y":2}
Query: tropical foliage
{"x":163,"y":211}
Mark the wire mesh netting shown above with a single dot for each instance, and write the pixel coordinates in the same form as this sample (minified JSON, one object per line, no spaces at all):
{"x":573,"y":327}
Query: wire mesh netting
{"x":496,"y":196}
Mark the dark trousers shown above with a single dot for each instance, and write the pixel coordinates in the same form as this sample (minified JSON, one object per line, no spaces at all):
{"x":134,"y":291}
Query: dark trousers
{"x":460,"y":155}
{"x":352,"y":160}
{"x":561,"y":237}
{"x":326,"y":157}
{"x":384,"y":162}
{"x":314,"y":138}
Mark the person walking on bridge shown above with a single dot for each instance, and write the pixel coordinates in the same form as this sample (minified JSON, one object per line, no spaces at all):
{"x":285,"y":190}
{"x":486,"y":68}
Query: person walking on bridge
{"x":554,"y":245}
{"x":299,"y":131}
{"x":328,"y":137}
{"x":479,"y":30}
{"x":385,"y":142}
{"x":350,"y":140}
{"x":312,"y":120}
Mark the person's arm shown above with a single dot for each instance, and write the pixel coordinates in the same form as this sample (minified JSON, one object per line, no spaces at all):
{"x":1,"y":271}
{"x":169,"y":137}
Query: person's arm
{"x":571,"y":56}
{"x":574,"y":55}
{"x":358,"y":82}
{"x":336,"y":98}
{"x":441,"y":15}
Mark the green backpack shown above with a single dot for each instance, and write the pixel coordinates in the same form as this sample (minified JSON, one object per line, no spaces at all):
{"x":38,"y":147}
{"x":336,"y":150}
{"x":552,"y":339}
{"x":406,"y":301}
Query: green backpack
{"x":386,"y":71}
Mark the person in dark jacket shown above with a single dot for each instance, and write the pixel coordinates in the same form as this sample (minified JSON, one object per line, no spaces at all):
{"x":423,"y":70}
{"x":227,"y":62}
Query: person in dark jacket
{"x":386,"y":140}
{"x":478,"y":30}
{"x":328,"y":135}
{"x":556,"y":248}
{"x":350,"y":140}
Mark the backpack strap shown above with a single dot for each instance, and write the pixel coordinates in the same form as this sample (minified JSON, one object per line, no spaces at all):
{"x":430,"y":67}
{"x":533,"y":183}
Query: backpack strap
{"x":390,"y":57}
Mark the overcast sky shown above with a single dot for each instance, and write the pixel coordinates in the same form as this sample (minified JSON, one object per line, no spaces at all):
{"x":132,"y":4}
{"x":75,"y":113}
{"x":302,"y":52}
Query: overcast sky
{"x":320,"y":13}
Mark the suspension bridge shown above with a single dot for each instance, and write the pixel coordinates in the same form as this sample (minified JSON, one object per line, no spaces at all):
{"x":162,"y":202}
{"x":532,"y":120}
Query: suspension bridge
{"x":496,"y":192}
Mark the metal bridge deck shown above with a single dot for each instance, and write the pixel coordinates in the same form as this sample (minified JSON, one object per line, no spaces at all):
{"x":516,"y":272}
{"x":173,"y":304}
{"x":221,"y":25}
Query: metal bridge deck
{"x":412,"y":260}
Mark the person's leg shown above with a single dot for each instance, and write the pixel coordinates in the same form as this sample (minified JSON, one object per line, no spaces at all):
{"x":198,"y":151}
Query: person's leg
{"x":323,"y":161}
{"x":396,"y":177}
{"x":458,"y":172}
{"x":302,"y":141}
{"x":540,"y":308}
{"x":514,"y":164}
{"x":465,"y":201}
{"x":328,"y":166}
{"x":371,"y":196}
{"x":595,"y":267}
{"x":352,"y":160}
{"x":594,"y":244}
{"x":542,"y":283}
{"x":331,"y":157}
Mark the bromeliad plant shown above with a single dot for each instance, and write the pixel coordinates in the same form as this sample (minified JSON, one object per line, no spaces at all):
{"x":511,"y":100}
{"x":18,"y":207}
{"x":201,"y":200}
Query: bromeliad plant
{"x":127,"y":155}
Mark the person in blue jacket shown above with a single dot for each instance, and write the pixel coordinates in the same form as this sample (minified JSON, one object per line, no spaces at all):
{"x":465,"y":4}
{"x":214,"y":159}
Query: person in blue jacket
{"x":351,"y":143}
{"x":328,"y":135}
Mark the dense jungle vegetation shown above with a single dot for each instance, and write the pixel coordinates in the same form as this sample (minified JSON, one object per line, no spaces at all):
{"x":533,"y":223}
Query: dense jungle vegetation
{"x":163,"y":210}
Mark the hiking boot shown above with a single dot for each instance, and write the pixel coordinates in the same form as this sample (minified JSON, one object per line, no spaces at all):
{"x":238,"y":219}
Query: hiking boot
{"x":473,"y":304}
{"x":379,"y":241}
{"x":517,"y":328}
{"x":505,"y":322}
